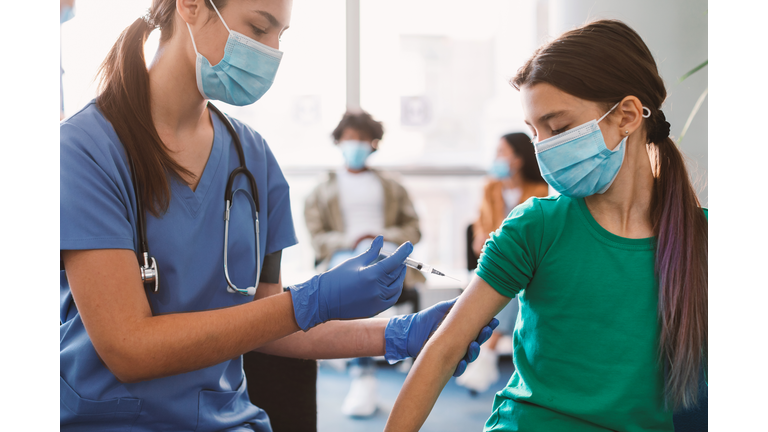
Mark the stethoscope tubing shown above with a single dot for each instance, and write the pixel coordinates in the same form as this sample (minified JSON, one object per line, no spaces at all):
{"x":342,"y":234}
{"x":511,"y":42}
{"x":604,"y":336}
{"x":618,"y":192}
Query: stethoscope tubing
{"x":148,"y":264}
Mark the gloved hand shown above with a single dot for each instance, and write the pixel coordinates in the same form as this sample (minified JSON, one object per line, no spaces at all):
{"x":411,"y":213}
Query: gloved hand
{"x":352,"y":289}
{"x":405,"y":335}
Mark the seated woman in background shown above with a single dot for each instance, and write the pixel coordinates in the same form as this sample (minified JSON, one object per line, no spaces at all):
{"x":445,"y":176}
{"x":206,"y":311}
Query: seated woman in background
{"x":515,"y":177}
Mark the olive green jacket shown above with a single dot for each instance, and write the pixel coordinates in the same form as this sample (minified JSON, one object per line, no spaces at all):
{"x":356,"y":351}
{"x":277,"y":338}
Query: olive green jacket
{"x":322,"y":214}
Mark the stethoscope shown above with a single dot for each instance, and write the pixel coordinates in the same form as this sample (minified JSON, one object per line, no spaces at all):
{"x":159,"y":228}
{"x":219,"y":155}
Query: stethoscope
{"x":148,"y":265}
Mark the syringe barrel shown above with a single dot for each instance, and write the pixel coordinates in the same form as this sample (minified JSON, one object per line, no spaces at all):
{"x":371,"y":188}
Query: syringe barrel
{"x":412,"y":263}
{"x":418,"y":265}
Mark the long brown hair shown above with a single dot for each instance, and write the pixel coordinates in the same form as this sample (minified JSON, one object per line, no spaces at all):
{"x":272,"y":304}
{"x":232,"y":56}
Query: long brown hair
{"x":125,"y":101}
{"x":604,"y":62}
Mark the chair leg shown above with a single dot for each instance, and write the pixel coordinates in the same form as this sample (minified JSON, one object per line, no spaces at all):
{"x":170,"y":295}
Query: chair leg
{"x":286,"y":388}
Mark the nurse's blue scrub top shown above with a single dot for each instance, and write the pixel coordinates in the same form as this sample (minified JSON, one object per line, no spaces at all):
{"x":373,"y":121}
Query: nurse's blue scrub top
{"x":98,"y":212}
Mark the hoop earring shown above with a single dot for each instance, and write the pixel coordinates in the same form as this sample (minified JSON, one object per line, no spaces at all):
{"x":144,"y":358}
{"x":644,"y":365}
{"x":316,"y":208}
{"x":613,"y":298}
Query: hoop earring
{"x":646,"y":112}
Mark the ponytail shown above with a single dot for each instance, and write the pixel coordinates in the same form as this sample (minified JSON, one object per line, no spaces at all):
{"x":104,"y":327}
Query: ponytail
{"x":124,"y":101}
{"x":681,"y":268}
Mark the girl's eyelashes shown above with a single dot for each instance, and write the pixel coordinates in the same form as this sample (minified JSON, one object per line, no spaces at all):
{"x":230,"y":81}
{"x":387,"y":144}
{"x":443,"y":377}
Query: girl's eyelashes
{"x":559,"y":131}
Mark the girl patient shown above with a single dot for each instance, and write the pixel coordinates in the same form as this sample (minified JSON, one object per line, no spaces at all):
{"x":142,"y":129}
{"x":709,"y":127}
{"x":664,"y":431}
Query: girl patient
{"x":611,"y":275}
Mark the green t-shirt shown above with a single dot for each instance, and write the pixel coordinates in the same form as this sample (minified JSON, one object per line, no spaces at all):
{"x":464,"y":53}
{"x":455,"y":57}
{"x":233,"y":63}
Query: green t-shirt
{"x":586,"y":339}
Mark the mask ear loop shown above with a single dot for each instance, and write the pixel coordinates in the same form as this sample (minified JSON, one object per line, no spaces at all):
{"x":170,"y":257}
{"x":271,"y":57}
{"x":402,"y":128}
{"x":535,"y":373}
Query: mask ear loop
{"x":609,"y":111}
{"x":222,"y":19}
{"x":193,"y":39}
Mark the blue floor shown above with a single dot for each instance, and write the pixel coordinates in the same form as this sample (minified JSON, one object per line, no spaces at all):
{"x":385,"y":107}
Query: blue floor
{"x":455,"y":410}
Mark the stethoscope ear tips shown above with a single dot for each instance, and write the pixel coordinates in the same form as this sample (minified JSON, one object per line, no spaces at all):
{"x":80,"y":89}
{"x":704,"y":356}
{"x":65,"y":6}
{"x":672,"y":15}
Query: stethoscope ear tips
{"x":251,"y":291}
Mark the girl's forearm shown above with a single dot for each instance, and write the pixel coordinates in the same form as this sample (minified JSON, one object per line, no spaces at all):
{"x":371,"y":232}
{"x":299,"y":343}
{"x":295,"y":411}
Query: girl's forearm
{"x":333,"y":339}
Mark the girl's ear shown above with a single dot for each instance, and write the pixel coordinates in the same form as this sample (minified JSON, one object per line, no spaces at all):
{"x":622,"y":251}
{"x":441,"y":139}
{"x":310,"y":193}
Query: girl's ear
{"x":631,"y":110}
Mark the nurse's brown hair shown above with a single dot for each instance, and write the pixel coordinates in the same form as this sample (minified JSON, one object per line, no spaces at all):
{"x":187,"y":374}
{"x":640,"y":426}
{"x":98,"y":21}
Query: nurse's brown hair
{"x":606,"y":61}
{"x":124,"y":100}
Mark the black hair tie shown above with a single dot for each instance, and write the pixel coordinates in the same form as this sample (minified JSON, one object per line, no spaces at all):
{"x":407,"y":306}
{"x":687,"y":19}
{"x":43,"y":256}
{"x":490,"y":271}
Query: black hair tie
{"x":662,"y":129}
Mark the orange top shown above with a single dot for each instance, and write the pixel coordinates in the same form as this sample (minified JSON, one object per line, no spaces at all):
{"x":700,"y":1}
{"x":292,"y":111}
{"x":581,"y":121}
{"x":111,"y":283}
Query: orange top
{"x":493,"y":209}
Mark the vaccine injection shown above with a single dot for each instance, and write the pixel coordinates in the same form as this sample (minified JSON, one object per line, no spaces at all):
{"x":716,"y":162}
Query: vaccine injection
{"x":420,"y":266}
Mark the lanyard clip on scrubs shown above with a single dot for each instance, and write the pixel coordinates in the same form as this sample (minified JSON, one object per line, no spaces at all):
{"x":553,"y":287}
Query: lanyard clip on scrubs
{"x":147,"y":264}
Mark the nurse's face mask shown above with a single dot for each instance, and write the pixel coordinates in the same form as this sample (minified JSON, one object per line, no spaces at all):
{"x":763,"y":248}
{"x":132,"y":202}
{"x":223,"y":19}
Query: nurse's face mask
{"x":244,"y":74}
{"x":577,"y":163}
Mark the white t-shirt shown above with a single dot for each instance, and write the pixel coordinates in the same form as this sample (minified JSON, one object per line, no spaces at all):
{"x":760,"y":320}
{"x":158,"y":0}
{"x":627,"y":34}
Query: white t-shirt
{"x":361,"y":198}
{"x":511,"y":197}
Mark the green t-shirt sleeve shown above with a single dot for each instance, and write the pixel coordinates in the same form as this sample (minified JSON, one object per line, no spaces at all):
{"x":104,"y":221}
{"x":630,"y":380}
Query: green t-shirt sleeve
{"x":508,"y":260}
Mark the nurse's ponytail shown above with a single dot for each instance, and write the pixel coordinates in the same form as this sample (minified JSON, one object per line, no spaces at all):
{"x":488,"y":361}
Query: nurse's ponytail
{"x":124,"y":101}
{"x":604,"y":62}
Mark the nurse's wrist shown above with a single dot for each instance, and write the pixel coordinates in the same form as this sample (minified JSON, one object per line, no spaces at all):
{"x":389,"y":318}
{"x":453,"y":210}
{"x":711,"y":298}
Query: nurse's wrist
{"x":396,"y":338}
{"x":305,"y":303}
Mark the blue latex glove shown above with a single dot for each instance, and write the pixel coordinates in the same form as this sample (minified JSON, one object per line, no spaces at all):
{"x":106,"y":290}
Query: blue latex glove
{"x":406,"y":335}
{"x":352,"y":289}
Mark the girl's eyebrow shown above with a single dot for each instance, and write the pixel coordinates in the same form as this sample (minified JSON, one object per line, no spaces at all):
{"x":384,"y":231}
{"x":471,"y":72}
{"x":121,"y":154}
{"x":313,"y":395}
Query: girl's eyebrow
{"x":551,"y":115}
{"x":548,"y":116}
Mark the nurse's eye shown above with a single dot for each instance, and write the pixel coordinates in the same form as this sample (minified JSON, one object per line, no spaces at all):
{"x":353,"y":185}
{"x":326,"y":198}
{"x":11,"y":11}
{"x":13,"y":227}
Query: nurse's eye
{"x":559,"y":131}
{"x":257,"y":31}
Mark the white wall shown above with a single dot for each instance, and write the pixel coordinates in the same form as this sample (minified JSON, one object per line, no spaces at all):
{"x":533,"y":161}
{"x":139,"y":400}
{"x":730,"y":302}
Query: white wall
{"x":676,"y":32}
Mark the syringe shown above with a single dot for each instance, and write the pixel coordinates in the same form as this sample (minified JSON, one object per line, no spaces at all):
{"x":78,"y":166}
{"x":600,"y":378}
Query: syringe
{"x":412,"y":263}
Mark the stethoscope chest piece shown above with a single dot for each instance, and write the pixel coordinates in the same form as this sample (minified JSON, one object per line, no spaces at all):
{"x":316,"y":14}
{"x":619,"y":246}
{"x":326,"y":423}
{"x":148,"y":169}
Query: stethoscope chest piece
{"x":149,"y":274}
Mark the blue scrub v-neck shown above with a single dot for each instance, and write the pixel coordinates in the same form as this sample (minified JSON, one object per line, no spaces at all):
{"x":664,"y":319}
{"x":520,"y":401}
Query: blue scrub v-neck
{"x":193,"y":200}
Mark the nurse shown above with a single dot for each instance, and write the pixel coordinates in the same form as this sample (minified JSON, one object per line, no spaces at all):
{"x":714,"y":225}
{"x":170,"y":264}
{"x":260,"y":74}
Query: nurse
{"x":135,"y":359}
{"x":611,"y":275}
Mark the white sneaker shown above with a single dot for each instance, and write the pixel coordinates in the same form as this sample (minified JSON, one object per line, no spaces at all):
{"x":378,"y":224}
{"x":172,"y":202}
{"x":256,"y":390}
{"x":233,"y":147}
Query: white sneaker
{"x":481,"y":373}
{"x":361,"y":399}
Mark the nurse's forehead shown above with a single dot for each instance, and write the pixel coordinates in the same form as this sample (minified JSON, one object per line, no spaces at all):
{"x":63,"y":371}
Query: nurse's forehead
{"x":278,"y":13}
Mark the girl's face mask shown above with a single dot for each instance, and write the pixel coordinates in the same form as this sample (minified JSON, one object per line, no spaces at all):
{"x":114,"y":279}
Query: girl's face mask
{"x":577,"y":163}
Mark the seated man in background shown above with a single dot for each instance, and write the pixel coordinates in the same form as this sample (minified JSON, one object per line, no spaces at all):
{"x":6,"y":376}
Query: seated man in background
{"x":349,"y":209}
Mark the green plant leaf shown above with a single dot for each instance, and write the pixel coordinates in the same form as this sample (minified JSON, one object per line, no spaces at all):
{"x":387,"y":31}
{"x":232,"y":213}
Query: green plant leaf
{"x":693,"y":114}
{"x":693,"y":71}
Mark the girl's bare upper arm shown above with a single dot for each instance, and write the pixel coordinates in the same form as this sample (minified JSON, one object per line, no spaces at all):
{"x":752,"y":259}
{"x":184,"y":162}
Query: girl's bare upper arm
{"x":476,"y":306}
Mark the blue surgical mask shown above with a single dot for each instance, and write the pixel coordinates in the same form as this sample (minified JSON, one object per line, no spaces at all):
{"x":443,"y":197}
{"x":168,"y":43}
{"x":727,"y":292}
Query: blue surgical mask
{"x":577,"y":163}
{"x":355,"y":153}
{"x":67,"y":13}
{"x":500,"y":169}
{"x":244,"y":74}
